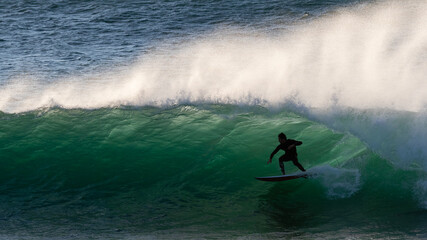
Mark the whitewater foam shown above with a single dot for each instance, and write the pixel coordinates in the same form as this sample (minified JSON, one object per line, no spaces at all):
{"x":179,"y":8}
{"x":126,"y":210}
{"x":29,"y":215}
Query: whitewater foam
{"x":339,"y":182}
{"x":420,"y":191}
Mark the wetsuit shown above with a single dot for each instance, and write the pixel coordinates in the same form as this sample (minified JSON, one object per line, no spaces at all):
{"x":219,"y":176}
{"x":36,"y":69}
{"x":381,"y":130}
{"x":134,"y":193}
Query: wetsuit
{"x":290,"y":154}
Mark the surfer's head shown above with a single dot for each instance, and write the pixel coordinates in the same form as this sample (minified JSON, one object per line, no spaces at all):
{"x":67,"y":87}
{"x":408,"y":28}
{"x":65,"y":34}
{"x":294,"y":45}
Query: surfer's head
{"x":282,"y":138}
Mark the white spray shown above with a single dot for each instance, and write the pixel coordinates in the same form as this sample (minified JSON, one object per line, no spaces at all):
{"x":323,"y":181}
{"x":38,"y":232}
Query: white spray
{"x":362,"y":57}
{"x":339,"y":183}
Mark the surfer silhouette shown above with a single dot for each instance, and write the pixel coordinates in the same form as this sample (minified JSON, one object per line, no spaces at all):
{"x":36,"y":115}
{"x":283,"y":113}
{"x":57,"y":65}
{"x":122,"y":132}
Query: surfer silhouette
{"x":289,"y":146}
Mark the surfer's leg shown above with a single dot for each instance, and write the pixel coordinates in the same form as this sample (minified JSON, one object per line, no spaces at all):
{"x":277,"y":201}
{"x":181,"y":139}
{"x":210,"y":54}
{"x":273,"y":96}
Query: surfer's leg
{"x":296,"y":163}
{"x":282,"y":166}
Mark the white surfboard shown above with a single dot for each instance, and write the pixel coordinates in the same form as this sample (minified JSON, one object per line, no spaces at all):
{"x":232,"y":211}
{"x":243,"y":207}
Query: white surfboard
{"x":284,"y":177}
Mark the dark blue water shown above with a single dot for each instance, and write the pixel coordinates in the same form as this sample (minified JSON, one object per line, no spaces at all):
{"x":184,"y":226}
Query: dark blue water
{"x":57,"y":38}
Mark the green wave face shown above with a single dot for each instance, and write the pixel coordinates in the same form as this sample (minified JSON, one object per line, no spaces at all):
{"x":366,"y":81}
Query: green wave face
{"x":191,"y":169}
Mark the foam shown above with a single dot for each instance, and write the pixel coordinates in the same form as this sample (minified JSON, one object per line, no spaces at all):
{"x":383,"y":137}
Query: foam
{"x":338,"y":182}
{"x":420,"y":191}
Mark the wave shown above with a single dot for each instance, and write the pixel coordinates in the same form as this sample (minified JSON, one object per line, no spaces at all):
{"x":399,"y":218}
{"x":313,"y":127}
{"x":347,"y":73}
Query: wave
{"x":359,"y":69}
{"x":180,"y":135}
{"x":145,"y":169}
{"x":366,"y":56}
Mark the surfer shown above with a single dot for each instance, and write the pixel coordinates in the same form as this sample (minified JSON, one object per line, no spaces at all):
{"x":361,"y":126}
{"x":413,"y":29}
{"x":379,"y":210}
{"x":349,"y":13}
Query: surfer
{"x":289,"y":146}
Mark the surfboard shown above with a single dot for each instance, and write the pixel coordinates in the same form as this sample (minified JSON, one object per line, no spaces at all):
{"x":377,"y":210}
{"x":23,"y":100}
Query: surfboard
{"x":283,"y":177}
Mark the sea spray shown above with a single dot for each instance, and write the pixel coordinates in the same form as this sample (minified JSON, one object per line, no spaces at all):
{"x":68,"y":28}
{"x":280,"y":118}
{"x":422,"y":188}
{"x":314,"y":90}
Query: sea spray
{"x":420,"y":191}
{"x":370,"y":56}
{"x":399,"y":136}
{"x":339,"y":182}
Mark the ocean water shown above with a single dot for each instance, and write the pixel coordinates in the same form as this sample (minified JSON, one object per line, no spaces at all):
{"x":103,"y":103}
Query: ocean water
{"x":150,"y":119}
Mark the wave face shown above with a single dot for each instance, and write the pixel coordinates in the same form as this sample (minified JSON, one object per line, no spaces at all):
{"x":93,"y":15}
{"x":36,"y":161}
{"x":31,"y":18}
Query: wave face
{"x":187,"y":171}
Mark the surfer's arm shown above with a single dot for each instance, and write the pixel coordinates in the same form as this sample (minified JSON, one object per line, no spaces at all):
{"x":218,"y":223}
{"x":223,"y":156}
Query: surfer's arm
{"x":294,"y":144}
{"x":273,"y":153}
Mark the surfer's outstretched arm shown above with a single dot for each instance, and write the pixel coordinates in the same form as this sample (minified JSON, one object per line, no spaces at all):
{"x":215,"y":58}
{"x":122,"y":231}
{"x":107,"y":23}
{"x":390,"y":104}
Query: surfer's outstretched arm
{"x":273,"y":153}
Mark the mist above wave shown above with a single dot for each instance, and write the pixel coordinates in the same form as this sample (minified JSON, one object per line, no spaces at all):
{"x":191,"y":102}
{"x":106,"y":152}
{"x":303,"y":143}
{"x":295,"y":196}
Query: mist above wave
{"x":367,"y":56}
